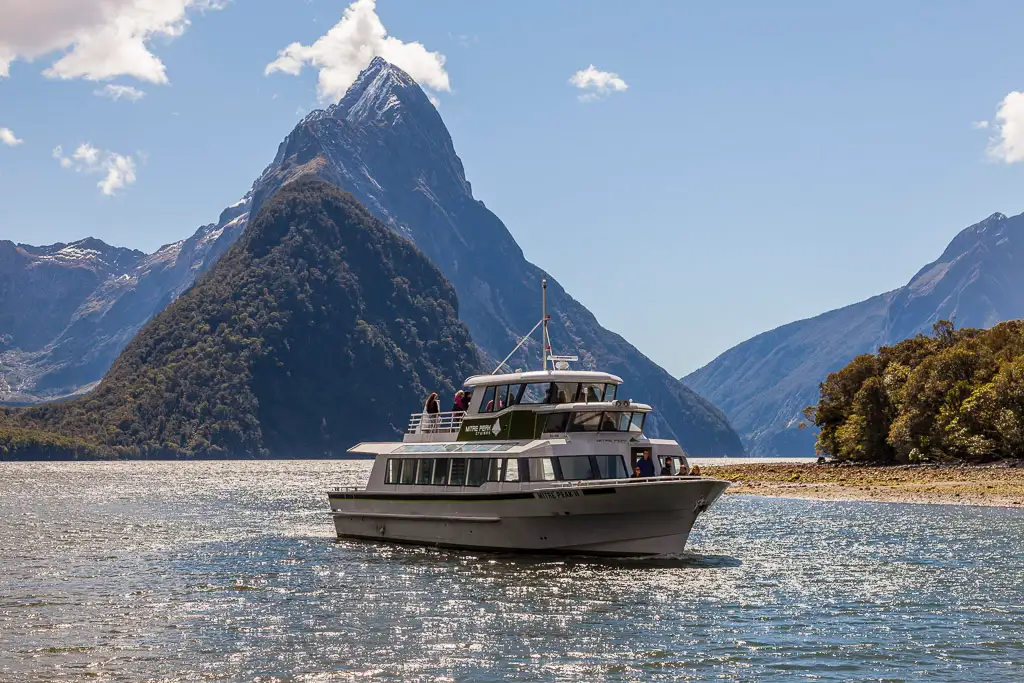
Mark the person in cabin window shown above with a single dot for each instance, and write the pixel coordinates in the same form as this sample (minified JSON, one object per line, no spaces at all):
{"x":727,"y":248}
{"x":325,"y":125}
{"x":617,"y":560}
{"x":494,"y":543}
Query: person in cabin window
{"x":431,"y":409}
{"x":551,"y":395}
{"x":666,"y":469}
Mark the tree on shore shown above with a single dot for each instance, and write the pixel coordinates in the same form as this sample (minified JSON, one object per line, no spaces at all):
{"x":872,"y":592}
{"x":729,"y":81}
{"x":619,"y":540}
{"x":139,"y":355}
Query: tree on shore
{"x":953,"y":395}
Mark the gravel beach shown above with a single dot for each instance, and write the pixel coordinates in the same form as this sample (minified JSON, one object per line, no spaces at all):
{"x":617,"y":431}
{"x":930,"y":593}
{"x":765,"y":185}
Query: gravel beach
{"x":999,"y":484}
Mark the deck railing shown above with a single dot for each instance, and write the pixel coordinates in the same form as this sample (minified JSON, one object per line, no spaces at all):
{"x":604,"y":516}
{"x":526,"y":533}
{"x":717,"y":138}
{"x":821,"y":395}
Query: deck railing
{"x":435,"y":423}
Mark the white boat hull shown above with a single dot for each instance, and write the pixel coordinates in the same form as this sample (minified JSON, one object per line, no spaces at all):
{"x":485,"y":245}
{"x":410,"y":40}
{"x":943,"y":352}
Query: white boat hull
{"x":616,"y":517}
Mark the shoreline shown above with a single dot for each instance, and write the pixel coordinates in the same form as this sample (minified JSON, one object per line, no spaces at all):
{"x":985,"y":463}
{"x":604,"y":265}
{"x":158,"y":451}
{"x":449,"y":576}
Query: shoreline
{"x":992,"y":485}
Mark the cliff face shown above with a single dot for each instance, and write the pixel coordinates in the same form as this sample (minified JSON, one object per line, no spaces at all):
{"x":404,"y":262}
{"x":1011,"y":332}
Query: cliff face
{"x":321,"y":327}
{"x":764,"y":383}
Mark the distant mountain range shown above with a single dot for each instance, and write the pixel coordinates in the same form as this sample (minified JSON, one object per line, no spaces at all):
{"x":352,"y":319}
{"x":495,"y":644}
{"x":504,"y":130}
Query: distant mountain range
{"x":319,"y":327}
{"x":386,"y":144}
{"x":764,"y":383}
{"x":67,"y":310}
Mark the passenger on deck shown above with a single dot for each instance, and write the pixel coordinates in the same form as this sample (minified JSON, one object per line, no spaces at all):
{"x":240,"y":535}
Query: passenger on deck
{"x":666,"y":469}
{"x":646,"y":465}
{"x":636,"y":472}
{"x":431,"y":410}
{"x":695,"y":471}
{"x":459,"y":405}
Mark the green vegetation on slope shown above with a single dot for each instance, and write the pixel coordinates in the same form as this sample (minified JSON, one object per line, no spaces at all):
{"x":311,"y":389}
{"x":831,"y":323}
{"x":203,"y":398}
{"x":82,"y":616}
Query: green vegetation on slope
{"x":956,"y":395}
{"x":320,"y":327}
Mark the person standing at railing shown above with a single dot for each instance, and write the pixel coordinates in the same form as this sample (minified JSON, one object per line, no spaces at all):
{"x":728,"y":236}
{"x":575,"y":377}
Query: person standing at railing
{"x":431,"y":410}
{"x":459,"y":405}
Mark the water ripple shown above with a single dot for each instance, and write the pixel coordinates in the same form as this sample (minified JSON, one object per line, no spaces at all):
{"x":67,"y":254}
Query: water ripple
{"x":229,"y":571}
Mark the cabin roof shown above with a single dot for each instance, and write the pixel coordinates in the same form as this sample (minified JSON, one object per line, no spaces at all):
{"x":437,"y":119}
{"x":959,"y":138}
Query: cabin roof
{"x":543,"y":376}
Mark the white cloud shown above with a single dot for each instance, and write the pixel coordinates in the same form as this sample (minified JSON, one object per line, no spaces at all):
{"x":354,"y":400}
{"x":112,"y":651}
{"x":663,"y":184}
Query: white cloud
{"x":118,"y":170}
{"x":1008,"y":143}
{"x":117,"y":92}
{"x":599,"y":83}
{"x":979,"y":125}
{"x":100,"y":39}
{"x":348,"y":48}
{"x":7,"y":137}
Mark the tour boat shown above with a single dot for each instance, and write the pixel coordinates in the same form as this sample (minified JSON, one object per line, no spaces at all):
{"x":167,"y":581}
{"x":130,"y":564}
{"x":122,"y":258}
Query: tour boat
{"x":540,"y":461}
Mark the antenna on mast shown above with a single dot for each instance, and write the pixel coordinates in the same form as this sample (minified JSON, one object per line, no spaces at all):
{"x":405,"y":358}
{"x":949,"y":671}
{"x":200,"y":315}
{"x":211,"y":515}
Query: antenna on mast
{"x":557,"y":362}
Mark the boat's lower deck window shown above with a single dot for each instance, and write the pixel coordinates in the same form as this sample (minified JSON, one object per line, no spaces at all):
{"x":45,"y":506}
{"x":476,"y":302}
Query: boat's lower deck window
{"x":478,"y":471}
{"x":441,"y":466}
{"x":575,"y":467}
{"x":511,"y":470}
{"x":611,"y":466}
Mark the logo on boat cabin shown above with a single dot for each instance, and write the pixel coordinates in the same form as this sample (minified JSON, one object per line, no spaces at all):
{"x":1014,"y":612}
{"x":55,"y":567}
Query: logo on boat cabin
{"x":483,"y":429}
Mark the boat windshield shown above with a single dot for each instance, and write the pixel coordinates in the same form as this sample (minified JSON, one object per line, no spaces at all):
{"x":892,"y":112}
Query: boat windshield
{"x":567,"y":392}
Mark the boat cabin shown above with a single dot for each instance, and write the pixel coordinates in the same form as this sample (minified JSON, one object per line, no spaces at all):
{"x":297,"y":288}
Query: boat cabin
{"x":529,"y":405}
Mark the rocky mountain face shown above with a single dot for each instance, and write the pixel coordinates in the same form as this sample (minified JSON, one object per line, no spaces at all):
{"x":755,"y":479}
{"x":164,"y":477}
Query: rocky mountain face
{"x":319,"y":327}
{"x":386,"y":144}
{"x":764,"y":383}
{"x":67,"y":310}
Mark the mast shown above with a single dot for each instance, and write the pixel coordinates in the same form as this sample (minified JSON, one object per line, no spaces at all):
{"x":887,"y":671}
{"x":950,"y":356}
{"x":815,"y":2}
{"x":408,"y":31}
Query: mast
{"x":545,"y":342}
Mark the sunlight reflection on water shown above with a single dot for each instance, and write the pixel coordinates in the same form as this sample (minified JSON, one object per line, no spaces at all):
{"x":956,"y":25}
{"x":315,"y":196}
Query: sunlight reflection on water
{"x":229,"y":571}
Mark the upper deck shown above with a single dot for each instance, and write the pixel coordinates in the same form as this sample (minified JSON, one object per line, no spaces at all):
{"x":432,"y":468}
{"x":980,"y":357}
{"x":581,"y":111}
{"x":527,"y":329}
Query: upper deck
{"x":544,"y":377}
{"x":527,"y":405}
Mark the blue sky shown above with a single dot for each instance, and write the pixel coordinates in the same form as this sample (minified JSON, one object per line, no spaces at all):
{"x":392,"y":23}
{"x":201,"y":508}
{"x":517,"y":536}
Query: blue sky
{"x":764,"y":162}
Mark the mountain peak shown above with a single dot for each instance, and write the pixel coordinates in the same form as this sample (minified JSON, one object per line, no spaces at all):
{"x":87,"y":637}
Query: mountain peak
{"x":967,"y":239}
{"x":379,"y":93}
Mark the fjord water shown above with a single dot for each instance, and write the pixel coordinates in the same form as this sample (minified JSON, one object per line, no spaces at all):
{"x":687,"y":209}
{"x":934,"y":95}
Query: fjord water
{"x":229,"y":571}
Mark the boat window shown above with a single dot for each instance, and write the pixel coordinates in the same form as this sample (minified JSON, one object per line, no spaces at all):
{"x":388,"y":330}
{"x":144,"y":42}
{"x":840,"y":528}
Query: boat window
{"x":458,"y":476}
{"x":610,"y":391}
{"x":610,"y":422}
{"x":425,"y":471}
{"x":548,"y":393}
{"x":494,"y":469}
{"x":391,"y":473}
{"x":591,"y":393}
{"x":547,"y":470}
{"x":585,"y":422}
{"x":408,"y":475}
{"x":556,"y":422}
{"x":533,"y":393}
{"x":611,"y":466}
{"x":512,"y":470}
{"x":537,"y":469}
{"x":515,"y":393}
{"x":487,"y":402}
{"x":477,"y":472}
{"x":624,"y":422}
{"x":441,"y":471}
{"x":674,"y":464}
{"x":576,"y":467}
{"x":637,"y":423}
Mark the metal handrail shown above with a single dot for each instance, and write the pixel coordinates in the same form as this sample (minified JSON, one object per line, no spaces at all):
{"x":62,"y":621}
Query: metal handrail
{"x":433,"y":423}
{"x":583,"y":483}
